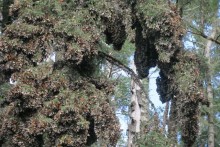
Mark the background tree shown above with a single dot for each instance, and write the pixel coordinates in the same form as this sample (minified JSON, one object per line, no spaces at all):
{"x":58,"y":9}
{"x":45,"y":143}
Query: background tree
{"x":203,"y":31}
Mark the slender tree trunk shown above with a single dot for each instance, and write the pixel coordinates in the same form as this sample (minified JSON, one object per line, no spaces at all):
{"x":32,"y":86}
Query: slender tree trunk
{"x":211,"y":131}
{"x":165,"y":116}
{"x":138,"y":113}
{"x":172,"y":124}
{"x":144,"y":105}
{"x":135,"y":112}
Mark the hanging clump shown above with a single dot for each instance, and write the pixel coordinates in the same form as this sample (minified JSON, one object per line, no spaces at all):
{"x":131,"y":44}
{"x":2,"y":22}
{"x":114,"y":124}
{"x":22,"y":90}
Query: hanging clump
{"x":110,"y":13}
{"x":159,"y":42}
{"x":54,"y":100}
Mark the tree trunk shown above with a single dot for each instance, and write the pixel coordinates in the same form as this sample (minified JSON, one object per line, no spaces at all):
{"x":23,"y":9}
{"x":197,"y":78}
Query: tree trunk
{"x":172,"y":124}
{"x":144,"y":105}
{"x":165,"y":117}
{"x":135,"y":112}
{"x":211,"y":131}
{"x":138,"y":113}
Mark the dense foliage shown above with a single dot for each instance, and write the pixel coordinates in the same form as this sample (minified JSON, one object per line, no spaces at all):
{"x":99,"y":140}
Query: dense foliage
{"x":158,"y":42}
{"x":54,"y":51}
{"x":50,"y":50}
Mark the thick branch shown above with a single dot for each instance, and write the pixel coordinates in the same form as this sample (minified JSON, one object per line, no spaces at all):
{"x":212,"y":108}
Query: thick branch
{"x":128,"y":71}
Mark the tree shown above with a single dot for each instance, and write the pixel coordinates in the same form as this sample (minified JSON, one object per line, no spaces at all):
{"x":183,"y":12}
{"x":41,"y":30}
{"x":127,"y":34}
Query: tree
{"x":55,"y":102}
{"x":210,"y":91}
{"x":54,"y":51}
{"x":204,"y":22}
{"x":135,"y":110}
{"x":159,"y":43}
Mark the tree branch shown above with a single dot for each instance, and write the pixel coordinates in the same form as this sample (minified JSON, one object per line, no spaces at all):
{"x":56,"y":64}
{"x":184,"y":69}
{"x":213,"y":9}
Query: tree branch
{"x":205,"y":36}
{"x":128,"y":71}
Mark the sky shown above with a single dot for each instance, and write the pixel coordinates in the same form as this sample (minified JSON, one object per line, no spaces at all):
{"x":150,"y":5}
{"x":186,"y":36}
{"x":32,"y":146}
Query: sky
{"x":153,"y":95}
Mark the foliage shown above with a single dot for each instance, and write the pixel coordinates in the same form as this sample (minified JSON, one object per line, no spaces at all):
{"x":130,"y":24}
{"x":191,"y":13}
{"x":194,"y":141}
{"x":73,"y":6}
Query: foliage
{"x":64,"y":102}
{"x":158,"y":42}
{"x":56,"y":102}
{"x":201,"y":17}
{"x":155,"y":139}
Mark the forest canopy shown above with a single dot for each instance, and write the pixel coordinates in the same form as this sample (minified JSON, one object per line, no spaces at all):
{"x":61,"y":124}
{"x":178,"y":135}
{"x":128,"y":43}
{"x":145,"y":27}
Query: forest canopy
{"x":54,"y":55}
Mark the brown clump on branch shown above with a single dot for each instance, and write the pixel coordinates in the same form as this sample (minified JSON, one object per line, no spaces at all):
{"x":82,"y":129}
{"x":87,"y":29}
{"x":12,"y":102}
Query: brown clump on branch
{"x":158,"y":43}
{"x":52,"y":98}
{"x":54,"y":102}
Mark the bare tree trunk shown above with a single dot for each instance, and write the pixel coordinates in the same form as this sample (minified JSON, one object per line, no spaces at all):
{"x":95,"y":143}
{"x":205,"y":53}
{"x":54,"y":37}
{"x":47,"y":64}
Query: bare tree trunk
{"x":135,"y":112}
{"x":165,"y":117}
{"x":172,"y":124}
{"x":211,"y":131}
{"x":144,"y":105}
{"x":138,"y":113}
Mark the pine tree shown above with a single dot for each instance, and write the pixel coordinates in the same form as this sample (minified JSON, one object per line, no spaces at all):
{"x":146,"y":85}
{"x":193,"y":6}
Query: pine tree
{"x":52,"y":52}
{"x":49,"y":50}
{"x":199,"y":24}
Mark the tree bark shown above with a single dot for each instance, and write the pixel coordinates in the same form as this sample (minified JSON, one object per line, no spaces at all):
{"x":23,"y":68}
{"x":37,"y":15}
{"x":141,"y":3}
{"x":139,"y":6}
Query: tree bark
{"x":172,"y":124}
{"x":138,"y":113}
{"x":211,"y":132}
{"x":135,"y":112}
{"x":165,"y":116}
{"x":144,"y":106}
